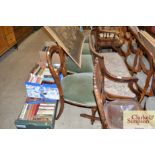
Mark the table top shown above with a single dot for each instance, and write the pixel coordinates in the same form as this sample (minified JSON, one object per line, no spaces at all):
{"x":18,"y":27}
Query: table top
{"x":70,"y":38}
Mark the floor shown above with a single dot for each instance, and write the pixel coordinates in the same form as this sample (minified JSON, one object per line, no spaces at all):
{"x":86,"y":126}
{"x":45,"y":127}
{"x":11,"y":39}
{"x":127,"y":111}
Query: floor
{"x":15,"y":66}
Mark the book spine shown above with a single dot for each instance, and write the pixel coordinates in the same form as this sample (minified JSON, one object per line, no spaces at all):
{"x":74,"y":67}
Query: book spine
{"x":22,"y":115}
{"x":34,"y":68}
{"x":33,"y":111}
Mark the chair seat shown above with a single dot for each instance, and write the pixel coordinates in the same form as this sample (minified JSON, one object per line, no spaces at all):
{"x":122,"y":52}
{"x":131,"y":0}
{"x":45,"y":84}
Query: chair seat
{"x":78,"y":89}
{"x":115,"y":64}
{"x":150,"y":103}
{"x":114,"y":111}
{"x":141,"y":76}
{"x":86,"y":65}
{"x":118,"y":89}
{"x":85,"y":48}
{"x":130,"y":60}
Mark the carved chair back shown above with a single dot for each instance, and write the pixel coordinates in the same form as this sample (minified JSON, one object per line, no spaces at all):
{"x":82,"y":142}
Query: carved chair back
{"x":56,"y":72}
{"x":106,"y":74}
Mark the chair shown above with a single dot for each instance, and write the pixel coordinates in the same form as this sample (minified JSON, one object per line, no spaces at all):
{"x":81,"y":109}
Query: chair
{"x":107,"y":35}
{"x":145,"y":75}
{"x":75,"y":89}
{"x":111,"y":113}
{"x":118,"y":81}
{"x":86,"y":62}
{"x":113,"y":89}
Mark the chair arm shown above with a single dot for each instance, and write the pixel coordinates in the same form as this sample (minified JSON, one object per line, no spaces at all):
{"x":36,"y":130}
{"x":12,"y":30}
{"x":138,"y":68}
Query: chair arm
{"x":116,"y":78}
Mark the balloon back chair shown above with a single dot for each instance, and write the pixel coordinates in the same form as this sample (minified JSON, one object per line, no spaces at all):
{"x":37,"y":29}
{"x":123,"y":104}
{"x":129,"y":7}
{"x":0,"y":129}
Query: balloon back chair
{"x":75,"y":89}
{"x":123,"y":92}
{"x":111,"y":112}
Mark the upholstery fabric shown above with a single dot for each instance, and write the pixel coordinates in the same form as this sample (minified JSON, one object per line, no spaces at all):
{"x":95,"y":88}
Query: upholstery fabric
{"x":130,"y":60}
{"x":146,"y":63}
{"x":115,"y":64}
{"x":125,"y":47}
{"x":86,"y":65}
{"x":78,"y":88}
{"x":142,"y":80}
{"x":150,"y":103}
{"x":85,"y":49}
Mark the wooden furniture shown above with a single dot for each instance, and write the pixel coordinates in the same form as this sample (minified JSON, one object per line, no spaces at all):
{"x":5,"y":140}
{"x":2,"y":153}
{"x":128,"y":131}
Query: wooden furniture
{"x":118,"y":81}
{"x":111,"y":113}
{"x":106,"y":36}
{"x":12,"y":35}
{"x":21,"y":32}
{"x":70,"y":39}
{"x":75,"y":89}
{"x":7,"y":38}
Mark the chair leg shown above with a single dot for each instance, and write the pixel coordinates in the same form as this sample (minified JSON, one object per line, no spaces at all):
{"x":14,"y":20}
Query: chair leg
{"x":94,"y":110}
{"x":61,"y":109}
{"x":91,"y":117}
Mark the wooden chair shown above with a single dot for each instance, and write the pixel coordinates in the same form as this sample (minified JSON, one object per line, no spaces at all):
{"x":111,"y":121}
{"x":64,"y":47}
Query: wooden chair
{"x":118,"y":81}
{"x":75,"y":89}
{"x":86,"y":62}
{"x":111,"y":113}
{"x":107,"y":35}
{"x":111,"y":88}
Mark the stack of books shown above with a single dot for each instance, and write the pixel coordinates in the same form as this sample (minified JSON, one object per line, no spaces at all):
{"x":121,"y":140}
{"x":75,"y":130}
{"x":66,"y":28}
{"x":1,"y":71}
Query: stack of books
{"x":40,"y":107}
{"x":40,"y":115}
{"x":41,"y":84}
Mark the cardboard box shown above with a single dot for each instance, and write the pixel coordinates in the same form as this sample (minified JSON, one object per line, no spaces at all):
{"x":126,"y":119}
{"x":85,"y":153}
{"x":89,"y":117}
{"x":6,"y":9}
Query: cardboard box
{"x":22,"y":122}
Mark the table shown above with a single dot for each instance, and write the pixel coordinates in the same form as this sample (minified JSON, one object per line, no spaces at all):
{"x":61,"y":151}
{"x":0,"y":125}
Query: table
{"x":70,"y":39}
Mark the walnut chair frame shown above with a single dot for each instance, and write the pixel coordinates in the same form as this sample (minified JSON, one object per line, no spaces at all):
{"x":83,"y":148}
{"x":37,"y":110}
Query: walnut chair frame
{"x":55,"y":73}
{"x":132,"y":81}
{"x":106,"y":37}
{"x":100,"y":95}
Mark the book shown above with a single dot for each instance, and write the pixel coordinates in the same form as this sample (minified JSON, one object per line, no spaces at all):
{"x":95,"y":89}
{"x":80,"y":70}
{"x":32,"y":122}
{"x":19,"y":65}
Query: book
{"x":22,"y":115}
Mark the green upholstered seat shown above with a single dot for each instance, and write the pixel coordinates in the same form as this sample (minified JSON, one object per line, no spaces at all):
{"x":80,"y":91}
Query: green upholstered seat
{"x":78,"y":88}
{"x":150,"y":103}
{"x":85,"y":49}
{"x":141,"y":76}
{"x":86,"y":65}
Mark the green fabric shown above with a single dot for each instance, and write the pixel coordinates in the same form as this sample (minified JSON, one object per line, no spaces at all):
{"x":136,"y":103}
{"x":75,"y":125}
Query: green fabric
{"x":86,"y":65}
{"x":86,"y":49}
{"x":78,"y":88}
